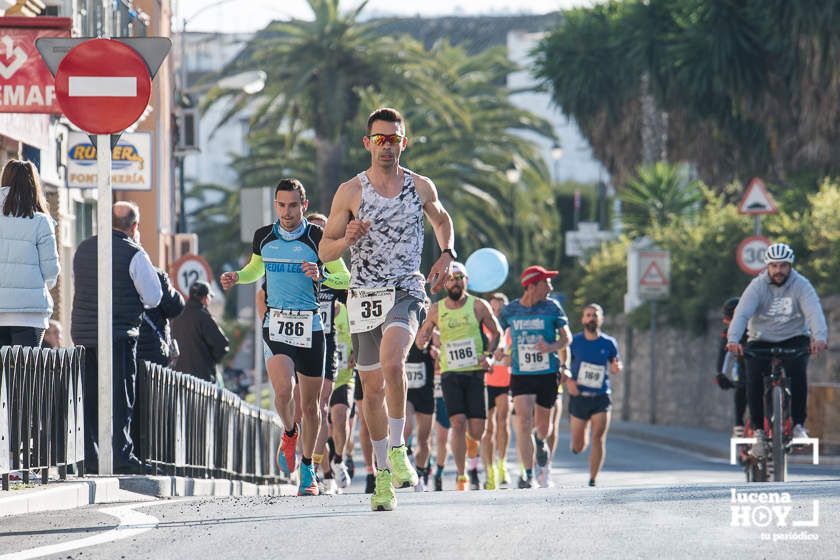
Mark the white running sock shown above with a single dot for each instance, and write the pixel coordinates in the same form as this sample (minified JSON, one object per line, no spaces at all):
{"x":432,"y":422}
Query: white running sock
{"x":395,"y":431}
{"x":473,"y":463}
{"x":380,"y":453}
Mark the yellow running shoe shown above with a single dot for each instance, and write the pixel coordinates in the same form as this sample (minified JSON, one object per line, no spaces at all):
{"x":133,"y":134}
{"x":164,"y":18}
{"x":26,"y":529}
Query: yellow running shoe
{"x":461,"y":483}
{"x":383,"y":498}
{"x":404,"y":475}
{"x":490,"y":482}
{"x":501,"y":470}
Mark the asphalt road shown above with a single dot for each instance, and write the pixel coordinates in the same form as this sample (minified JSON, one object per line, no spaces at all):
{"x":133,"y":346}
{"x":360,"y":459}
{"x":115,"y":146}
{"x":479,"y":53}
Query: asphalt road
{"x":650,"y":500}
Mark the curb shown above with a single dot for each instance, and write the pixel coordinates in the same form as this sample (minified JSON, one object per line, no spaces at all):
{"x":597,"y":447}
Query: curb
{"x":715,"y":452}
{"x":61,"y":495}
{"x":648,"y":436}
{"x":179,"y":486}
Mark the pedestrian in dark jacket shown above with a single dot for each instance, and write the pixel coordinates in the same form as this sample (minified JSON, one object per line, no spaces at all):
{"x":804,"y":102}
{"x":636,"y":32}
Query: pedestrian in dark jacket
{"x":200,"y":339}
{"x":134,"y":288}
{"x":156,"y":343}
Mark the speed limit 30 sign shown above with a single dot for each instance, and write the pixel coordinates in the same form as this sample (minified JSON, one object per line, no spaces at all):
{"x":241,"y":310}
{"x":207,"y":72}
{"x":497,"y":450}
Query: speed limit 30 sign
{"x":750,"y":255}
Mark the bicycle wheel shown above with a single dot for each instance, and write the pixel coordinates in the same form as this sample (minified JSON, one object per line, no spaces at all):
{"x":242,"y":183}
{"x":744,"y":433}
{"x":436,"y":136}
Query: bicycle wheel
{"x":779,"y":455}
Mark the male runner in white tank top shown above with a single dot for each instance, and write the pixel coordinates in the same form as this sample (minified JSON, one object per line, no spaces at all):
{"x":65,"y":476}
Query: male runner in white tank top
{"x":378,"y":215}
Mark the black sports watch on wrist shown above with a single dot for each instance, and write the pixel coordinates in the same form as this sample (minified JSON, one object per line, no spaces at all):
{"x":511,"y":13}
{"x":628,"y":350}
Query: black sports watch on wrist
{"x":451,"y":252}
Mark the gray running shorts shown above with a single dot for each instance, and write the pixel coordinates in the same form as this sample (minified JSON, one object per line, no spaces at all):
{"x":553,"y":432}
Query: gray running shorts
{"x":408,"y":313}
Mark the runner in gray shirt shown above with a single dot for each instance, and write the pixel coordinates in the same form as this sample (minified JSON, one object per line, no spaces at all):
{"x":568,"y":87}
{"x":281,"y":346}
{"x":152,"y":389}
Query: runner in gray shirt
{"x":779,"y":308}
{"x":378,"y":215}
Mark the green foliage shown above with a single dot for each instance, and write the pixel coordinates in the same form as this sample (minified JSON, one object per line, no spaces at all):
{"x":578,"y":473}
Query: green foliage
{"x":659,"y":194}
{"x":465,"y":152}
{"x":602,"y":279}
{"x":704,"y":272}
{"x":750,"y":87}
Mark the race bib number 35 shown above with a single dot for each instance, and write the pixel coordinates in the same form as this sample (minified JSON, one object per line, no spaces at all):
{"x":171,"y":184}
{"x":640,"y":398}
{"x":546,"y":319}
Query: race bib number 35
{"x":367,"y":308}
{"x":531,"y":359}
{"x":591,"y":375}
{"x":415,"y":375}
{"x":461,"y":354}
{"x":291,"y":327}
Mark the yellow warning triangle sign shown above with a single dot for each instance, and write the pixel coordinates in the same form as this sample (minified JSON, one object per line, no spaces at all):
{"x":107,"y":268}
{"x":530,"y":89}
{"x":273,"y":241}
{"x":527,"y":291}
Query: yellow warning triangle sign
{"x":757,"y":199}
{"x":653,"y":276}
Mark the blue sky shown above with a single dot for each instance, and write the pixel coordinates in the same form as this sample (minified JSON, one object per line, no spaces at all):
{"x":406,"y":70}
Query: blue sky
{"x":250,"y":15}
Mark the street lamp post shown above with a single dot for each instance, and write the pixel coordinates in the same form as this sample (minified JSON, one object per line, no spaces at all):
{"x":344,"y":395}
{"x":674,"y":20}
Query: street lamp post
{"x":556,"y":156}
{"x":514,"y":174}
{"x":250,"y":82}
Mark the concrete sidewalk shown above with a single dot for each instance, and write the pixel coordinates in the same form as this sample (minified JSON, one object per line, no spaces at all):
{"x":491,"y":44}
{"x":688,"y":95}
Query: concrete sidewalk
{"x":78,"y":492}
{"x":703,"y":441}
{"x":61,"y":494}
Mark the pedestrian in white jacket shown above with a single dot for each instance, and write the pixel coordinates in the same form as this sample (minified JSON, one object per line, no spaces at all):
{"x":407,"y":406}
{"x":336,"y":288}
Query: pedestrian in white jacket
{"x":28,"y":256}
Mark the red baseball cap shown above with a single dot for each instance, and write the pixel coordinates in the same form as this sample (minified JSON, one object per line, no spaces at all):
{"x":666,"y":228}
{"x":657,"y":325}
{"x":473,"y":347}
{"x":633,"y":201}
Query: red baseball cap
{"x":534,"y":274}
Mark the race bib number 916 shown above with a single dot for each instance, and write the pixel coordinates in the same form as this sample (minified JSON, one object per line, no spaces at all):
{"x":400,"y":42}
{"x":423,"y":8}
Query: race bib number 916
{"x":531,"y":359}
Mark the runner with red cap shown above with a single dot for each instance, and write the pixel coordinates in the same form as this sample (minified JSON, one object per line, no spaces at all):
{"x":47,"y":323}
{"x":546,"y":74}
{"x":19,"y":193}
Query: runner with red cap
{"x":539,"y":330}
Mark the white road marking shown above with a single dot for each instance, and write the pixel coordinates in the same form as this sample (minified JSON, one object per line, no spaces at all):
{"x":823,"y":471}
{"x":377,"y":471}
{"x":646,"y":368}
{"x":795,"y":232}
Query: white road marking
{"x":102,"y":86}
{"x":132,"y":523}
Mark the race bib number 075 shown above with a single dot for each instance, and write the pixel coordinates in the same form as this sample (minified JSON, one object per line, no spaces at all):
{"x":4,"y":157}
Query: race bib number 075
{"x":415,"y":375}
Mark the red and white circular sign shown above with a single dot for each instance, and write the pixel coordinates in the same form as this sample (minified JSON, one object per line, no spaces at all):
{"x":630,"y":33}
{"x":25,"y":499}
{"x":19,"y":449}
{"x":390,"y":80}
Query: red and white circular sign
{"x":750,"y":254}
{"x":189,"y":269}
{"x":103,"y":86}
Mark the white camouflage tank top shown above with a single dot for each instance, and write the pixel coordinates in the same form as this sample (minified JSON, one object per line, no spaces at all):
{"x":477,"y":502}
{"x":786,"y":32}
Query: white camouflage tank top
{"x":389,"y":255}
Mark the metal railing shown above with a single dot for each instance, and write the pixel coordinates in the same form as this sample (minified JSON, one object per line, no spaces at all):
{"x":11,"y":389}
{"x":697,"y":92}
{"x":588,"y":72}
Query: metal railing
{"x":41,"y":411}
{"x":188,"y":427}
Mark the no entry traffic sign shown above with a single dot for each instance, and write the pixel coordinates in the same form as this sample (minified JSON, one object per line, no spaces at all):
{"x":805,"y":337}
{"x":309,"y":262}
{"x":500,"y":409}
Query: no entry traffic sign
{"x":103,"y":86}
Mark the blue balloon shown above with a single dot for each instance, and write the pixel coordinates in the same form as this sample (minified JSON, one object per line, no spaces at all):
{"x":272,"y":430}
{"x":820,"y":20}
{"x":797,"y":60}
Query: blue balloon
{"x":487,"y":269}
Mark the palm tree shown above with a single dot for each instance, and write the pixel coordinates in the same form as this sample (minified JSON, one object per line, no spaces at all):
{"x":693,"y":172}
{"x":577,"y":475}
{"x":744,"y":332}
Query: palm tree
{"x":316,"y":70}
{"x":660,"y":194}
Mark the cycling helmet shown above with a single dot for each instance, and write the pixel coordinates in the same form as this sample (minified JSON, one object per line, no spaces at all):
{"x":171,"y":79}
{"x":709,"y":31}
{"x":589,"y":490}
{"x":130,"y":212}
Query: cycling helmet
{"x":729,"y":307}
{"x":778,"y":252}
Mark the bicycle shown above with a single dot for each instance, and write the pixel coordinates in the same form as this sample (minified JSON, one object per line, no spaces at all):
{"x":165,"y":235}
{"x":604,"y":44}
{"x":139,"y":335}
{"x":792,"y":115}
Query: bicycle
{"x":778,"y":427}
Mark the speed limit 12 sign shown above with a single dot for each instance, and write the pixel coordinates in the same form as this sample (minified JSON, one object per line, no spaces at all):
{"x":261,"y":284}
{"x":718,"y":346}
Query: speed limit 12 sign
{"x":188,"y":270}
{"x":750,"y":255}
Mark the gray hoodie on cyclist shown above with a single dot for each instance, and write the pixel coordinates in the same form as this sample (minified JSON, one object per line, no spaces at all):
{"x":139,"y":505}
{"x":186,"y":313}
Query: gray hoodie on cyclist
{"x":777,"y":313}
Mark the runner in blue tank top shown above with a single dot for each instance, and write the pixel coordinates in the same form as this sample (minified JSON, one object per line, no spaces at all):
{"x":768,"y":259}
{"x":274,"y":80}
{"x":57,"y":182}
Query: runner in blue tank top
{"x":594,"y":357}
{"x":286,"y":252}
{"x":539,"y":330}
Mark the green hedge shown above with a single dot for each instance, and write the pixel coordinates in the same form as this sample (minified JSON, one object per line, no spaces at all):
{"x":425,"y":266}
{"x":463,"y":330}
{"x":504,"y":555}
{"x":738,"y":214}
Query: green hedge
{"x":704,"y":272}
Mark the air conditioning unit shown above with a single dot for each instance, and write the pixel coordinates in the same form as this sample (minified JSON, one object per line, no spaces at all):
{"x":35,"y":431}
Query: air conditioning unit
{"x":188,"y":130}
{"x":183,"y":244}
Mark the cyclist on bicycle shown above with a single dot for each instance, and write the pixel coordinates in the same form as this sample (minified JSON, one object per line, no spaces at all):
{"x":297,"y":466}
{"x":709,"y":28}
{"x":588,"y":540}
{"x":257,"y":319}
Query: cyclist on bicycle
{"x":731,"y":371}
{"x":779,"y":308}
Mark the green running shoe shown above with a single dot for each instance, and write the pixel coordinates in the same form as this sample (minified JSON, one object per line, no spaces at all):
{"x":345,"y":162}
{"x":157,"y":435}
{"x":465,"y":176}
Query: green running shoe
{"x":383,"y":498}
{"x":404,"y":474}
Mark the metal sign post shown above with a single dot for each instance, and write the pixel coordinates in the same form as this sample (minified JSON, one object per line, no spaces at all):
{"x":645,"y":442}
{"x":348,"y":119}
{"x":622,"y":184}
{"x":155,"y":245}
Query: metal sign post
{"x":654,"y":276}
{"x":104,"y":317}
{"x":103,"y":86}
